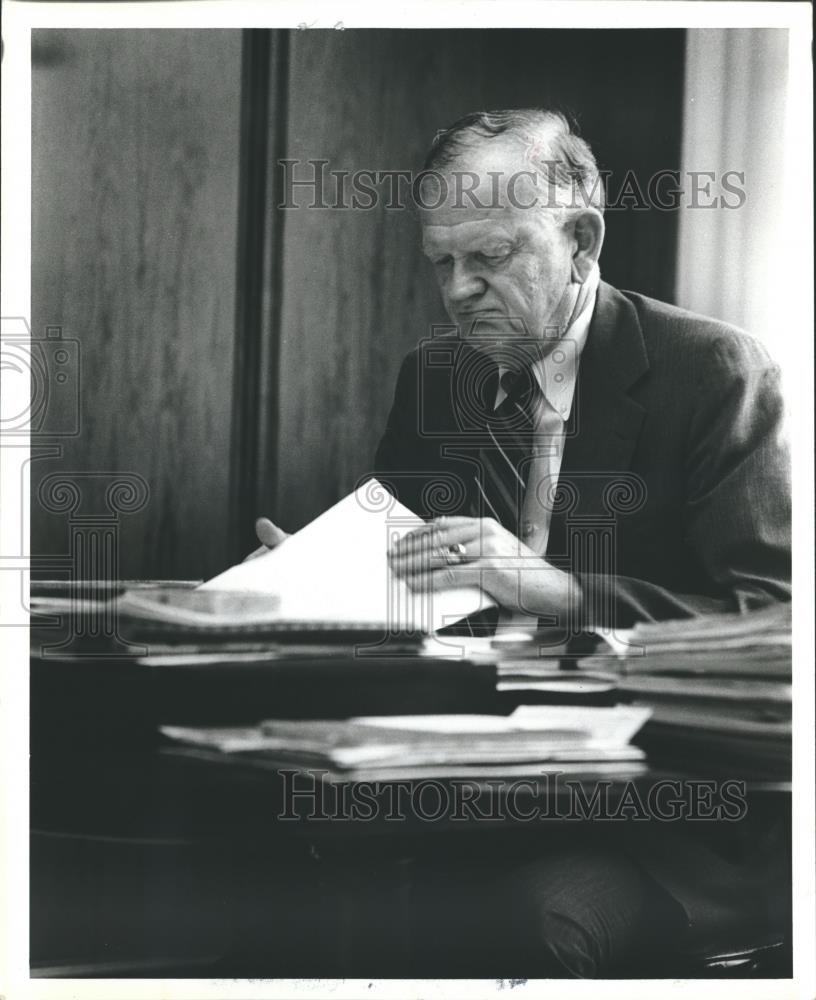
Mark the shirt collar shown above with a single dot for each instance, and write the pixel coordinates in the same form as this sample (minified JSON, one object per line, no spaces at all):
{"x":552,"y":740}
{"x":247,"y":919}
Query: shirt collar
{"x":557,"y":372}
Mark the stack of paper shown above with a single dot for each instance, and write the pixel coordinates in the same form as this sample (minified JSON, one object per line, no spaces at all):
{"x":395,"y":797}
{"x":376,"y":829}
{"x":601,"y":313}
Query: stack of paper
{"x":182,"y":621}
{"x":423,"y":744}
{"x":524,"y":662}
{"x":734,"y":704}
{"x":754,"y":644}
{"x":336,"y":570}
{"x":719,"y":686}
{"x":197,"y":608}
{"x":544,"y":674}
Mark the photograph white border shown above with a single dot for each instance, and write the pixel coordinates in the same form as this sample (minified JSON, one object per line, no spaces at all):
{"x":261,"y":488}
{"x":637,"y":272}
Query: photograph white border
{"x":18,"y":20}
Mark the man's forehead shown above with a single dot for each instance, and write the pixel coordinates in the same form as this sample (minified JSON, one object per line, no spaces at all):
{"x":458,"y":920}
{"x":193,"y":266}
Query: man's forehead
{"x":490,"y":181}
{"x":505,"y":155}
{"x":465,"y":227}
{"x":468,"y":226}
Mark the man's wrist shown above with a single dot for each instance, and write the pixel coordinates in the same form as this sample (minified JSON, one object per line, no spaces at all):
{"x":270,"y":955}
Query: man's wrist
{"x":562,"y":597}
{"x":575,"y":608}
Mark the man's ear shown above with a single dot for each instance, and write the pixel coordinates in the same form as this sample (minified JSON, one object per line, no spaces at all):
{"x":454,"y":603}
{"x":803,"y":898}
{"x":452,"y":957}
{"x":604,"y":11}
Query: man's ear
{"x":587,"y":237}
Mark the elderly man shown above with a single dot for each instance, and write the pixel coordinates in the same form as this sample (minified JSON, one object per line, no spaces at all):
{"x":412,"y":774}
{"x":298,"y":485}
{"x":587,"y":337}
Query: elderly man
{"x":635,"y":469}
{"x":590,"y":458}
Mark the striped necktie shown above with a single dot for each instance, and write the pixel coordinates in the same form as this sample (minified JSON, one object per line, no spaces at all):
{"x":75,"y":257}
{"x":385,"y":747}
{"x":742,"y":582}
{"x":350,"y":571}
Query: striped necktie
{"x":505,"y":461}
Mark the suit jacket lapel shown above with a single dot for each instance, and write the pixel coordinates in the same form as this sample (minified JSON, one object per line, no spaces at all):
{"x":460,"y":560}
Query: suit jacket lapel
{"x":605,"y":421}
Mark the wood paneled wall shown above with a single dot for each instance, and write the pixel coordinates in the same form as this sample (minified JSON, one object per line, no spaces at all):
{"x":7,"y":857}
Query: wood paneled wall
{"x":356,"y":293}
{"x":135,"y":193}
{"x":239,"y":357}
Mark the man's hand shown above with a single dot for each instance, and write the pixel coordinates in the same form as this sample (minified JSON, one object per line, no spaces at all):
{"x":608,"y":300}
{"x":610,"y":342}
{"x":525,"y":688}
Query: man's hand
{"x":469,"y":551}
{"x":269,"y":534}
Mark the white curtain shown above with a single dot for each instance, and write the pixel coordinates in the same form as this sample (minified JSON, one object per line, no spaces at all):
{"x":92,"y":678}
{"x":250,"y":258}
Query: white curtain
{"x":733,"y":262}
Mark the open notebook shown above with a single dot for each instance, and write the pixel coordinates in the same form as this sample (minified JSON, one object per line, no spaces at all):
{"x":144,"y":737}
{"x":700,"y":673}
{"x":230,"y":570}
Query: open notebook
{"x":336,"y":570}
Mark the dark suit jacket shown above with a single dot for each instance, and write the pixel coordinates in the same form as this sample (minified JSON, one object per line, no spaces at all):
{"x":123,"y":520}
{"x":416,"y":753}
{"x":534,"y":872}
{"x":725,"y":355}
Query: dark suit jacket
{"x":674,"y":494}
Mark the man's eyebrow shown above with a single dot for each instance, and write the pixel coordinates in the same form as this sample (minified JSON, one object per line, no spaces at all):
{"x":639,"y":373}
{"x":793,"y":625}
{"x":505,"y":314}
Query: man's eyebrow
{"x":476,"y":244}
{"x":493,"y":243}
{"x":430,"y":251}
{"x":432,"y":246}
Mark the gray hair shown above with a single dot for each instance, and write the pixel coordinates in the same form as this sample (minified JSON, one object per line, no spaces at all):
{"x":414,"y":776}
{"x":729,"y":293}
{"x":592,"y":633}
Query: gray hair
{"x":568,"y":157}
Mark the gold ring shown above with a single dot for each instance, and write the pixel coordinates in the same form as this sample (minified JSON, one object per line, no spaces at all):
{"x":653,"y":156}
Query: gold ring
{"x":454,"y":553}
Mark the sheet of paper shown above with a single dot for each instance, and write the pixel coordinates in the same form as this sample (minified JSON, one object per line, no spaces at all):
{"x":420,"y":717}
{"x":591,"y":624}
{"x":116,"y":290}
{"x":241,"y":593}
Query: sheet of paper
{"x":468,"y":725}
{"x":613,"y":726}
{"x":336,"y":569}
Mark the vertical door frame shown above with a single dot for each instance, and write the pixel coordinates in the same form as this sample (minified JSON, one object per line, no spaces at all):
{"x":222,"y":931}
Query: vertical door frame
{"x":254,"y":438}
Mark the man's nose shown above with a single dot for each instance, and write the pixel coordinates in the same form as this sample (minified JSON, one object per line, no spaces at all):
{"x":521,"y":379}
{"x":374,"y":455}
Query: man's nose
{"x":463,"y":284}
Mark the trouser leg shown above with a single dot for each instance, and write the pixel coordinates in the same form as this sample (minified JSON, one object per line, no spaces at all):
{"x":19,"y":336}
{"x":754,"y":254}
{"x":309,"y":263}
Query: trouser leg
{"x":595,"y":913}
{"x":575,"y":912}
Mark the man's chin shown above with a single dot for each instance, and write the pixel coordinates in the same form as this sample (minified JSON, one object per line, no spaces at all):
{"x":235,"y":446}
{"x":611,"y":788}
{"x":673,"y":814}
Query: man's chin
{"x":474,"y":324}
{"x":503,"y":343}
{"x":493,"y":327}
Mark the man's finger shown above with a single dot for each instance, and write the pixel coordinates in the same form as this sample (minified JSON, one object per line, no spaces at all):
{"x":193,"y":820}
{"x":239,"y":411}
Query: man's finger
{"x":269,"y":534}
{"x":466,"y":529}
{"x":464,"y":575}
{"x":434,"y":557}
